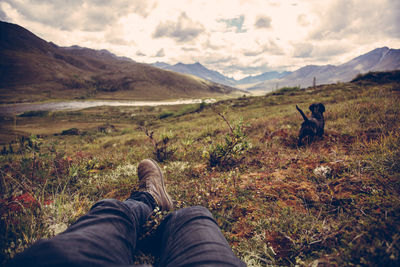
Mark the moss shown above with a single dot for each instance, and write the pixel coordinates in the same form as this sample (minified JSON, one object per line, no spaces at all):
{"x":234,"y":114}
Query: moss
{"x":272,"y":205}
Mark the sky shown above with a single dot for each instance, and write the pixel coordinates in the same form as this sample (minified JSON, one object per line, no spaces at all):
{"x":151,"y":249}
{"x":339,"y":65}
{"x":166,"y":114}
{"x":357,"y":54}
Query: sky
{"x":234,"y":37}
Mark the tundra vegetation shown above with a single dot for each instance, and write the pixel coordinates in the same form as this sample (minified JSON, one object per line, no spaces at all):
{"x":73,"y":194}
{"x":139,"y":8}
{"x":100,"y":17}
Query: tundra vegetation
{"x":334,"y":201}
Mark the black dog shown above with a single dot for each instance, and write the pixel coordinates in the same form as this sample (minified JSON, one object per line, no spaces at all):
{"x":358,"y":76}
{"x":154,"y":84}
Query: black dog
{"x":314,"y":126}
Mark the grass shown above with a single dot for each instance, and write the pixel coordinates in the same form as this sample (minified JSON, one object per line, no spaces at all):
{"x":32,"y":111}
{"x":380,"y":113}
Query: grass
{"x":273,"y":203}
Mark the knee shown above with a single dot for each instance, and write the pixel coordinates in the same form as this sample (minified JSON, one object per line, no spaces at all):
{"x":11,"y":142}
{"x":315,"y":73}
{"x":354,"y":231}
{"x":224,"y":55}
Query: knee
{"x":106,"y":203}
{"x":193,"y":213}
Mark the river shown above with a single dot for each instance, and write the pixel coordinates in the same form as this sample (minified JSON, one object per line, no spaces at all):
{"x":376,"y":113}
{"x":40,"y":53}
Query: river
{"x":77,"y":105}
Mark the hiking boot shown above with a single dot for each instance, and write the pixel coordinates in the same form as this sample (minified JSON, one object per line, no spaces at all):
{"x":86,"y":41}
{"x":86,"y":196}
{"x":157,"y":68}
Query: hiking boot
{"x":151,"y":180}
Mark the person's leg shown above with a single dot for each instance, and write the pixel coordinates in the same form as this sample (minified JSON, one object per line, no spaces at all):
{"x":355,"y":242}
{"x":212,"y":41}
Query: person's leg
{"x":191,"y":237}
{"x":106,"y":235}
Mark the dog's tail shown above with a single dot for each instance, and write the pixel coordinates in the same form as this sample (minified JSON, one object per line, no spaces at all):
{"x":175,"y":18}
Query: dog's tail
{"x":302,"y":113}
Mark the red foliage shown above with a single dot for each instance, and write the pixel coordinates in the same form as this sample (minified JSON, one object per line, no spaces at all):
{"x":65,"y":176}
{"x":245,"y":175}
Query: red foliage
{"x":24,"y":201}
{"x":282,"y":244}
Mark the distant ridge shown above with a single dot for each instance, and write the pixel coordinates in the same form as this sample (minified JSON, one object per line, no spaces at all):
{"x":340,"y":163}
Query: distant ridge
{"x":263,"y":77}
{"x":32,"y":69}
{"x":380,"y":59}
{"x":199,"y":70}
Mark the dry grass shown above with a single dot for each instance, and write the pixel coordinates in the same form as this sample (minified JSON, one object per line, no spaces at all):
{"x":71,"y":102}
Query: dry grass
{"x":334,"y":202}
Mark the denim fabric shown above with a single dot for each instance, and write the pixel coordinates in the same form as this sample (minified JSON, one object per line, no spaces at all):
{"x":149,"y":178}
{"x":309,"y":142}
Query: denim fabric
{"x":191,"y":237}
{"x":108,"y":236}
{"x":105,"y":236}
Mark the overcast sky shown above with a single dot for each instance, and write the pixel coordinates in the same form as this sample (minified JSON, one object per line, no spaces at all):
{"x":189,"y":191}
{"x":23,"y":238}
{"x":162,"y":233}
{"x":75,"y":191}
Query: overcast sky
{"x":234,"y":37}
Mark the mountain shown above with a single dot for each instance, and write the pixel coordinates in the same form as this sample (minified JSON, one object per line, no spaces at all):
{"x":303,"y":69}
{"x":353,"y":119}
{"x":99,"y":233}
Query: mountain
{"x":380,"y":59}
{"x":160,"y":65}
{"x":263,"y":77}
{"x":103,"y":53}
{"x":32,"y":69}
{"x":198,"y":70}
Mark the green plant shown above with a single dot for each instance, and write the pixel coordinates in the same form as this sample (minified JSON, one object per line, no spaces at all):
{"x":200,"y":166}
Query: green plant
{"x":230,"y":152}
{"x":35,"y":113}
{"x":161,"y":149}
{"x":286,"y":90}
{"x":383,"y":158}
{"x":268,"y":200}
{"x":187,"y":109}
{"x":165,"y":114}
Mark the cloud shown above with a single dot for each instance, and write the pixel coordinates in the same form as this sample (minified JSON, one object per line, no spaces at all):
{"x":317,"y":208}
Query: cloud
{"x":340,"y":19}
{"x":270,"y":48}
{"x":234,"y":23}
{"x":263,"y":22}
{"x":83,"y":15}
{"x":160,"y":53}
{"x":47,"y":12}
{"x":362,"y":20}
{"x":183,"y":30}
{"x":190,"y":49}
{"x":391,"y":19}
{"x":211,"y":45}
{"x":302,"y":20}
{"x":3,"y":15}
{"x":234,"y":37}
{"x":238,"y":69}
{"x":116,"y":36}
{"x":331,"y":49}
{"x":303,"y":50}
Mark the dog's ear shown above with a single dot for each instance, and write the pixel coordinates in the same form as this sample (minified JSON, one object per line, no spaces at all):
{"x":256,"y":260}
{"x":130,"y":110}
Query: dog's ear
{"x":321,"y":108}
{"x":312,"y":107}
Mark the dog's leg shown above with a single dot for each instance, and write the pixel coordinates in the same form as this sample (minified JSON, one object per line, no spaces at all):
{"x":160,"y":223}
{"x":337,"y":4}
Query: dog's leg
{"x":301,"y":136}
{"x":300,"y":143}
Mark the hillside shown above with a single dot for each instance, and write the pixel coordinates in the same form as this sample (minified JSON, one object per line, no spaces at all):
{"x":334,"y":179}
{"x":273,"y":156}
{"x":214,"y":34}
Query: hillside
{"x":263,"y":77}
{"x":32,"y":69}
{"x":380,"y":59}
{"x":198,"y":70}
{"x":335,"y":202}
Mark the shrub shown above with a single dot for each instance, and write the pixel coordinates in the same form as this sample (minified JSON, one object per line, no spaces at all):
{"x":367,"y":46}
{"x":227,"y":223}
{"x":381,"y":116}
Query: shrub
{"x":165,"y":114}
{"x":72,"y":131}
{"x":231,"y":152}
{"x":202,"y":105}
{"x":285,"y":90}
{"x":34,"y":113}
{"x":162,"y":152}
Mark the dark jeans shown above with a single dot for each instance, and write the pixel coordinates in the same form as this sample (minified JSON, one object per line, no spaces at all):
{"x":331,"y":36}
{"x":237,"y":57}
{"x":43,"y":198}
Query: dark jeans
{"x":108,"y":236}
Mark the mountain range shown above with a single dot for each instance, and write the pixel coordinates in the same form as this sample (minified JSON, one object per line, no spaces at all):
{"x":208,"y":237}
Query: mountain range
{"x":380,"y":59}
{"x":32,"y":69}
{"x":199,"y":70}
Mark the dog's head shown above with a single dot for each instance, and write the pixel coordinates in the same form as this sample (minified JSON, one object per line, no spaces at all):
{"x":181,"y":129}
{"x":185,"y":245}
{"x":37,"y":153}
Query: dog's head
{"x":317,"y":108}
